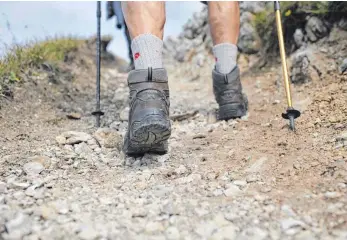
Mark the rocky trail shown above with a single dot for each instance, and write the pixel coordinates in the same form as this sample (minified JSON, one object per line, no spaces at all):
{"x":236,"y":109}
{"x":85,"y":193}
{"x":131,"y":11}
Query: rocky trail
{"x":249,"y":178}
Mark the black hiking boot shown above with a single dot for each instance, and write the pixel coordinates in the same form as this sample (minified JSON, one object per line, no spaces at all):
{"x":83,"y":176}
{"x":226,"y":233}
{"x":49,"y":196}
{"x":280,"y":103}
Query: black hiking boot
{"x":227,"y":89}
{"x":149,"y":124}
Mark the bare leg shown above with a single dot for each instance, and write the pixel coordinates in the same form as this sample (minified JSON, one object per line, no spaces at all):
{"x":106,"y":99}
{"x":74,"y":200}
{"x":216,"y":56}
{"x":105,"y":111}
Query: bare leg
{"x":224,"y":19}
{"x":145,"y":17}
{"x":145,"y":21}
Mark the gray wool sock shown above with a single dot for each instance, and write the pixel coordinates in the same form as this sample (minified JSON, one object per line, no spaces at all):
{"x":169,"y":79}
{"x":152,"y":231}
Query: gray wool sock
{"x":225,"y":54}
{"x":147,"y":51}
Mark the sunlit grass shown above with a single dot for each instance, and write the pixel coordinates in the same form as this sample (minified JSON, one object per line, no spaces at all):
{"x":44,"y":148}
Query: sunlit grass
{"x":20,"y":58}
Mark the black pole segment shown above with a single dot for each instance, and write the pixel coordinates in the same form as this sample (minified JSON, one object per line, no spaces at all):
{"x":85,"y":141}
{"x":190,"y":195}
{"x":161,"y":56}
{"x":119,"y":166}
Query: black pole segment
{"x":98,"y":112}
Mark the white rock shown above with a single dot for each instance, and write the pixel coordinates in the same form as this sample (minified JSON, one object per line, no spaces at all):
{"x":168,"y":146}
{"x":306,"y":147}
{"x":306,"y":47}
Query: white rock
{"x":61,"y":207}
{"x":254,"y":233}
{"x":257,"y":165}
{"x":33,"y":168}
{"x":240,"y":183}
{"x":154,"y":227}
{"x":18,"y":185}
{"x":252,"y":178}
{"x":342,"y":137}
{"x":19,"y":226}
{"x":286,"y":209}
{"x":305,"y":235}
{"x":82,"y":148}
{"x":124,"y":114}
{"x":172,"y":233}
{"x":181,"y":170}
{"x":289,"y":223}
{"x":225,"y":233}
{"x":205,"y":229}
{"x":332,"y":195}
{"x":163,"y":158}
{"x":30,"y":191}
{"x":232,"y":190}
{"x":2,"y":187}
{"x":139,"y":212}
{"x":88,"y":233}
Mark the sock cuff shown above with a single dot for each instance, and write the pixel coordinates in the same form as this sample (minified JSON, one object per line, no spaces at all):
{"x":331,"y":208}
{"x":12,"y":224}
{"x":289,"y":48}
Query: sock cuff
{"x":147,"y":50}
{"x":226,"y":56}
{"x":143,"y":36}
{"x":225,"y":45}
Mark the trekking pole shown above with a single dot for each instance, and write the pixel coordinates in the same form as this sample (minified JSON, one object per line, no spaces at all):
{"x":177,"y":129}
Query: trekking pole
{"x":98,"y":112}
{"x":291,"y":113}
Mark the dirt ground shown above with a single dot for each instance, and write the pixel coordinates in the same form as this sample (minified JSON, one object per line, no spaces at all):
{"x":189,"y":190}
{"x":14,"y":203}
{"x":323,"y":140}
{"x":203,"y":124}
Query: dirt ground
{"x":249,"y":178}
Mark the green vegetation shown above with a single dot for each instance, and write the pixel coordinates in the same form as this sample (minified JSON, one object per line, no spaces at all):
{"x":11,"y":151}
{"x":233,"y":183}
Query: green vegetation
{"x":21,"y":58}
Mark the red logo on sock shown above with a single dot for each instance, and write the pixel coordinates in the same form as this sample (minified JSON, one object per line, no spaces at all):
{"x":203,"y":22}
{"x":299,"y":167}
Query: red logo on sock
{"x":137,"y":55}
{"x":216,"y":59}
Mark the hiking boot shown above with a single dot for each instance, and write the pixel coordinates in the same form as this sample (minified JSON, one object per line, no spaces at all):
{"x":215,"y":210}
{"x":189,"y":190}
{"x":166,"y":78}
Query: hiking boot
{"x":227,"y":89}
{"x":149,"y":124}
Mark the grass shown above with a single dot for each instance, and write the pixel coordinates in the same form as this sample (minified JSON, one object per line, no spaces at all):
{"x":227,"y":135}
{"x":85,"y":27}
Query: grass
{"x":30,"y":56}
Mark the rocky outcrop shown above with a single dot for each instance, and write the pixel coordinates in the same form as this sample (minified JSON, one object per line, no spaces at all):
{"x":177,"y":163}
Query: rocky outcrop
{"x":304,"y":25}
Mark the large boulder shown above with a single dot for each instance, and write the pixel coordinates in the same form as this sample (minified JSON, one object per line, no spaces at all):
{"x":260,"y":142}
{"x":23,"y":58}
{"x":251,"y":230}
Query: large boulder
{"x":249,"y":41}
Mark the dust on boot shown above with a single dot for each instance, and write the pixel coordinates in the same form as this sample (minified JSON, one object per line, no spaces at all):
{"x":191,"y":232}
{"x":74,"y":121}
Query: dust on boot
{"x":149,"y":124}
{"x":227,"y":89}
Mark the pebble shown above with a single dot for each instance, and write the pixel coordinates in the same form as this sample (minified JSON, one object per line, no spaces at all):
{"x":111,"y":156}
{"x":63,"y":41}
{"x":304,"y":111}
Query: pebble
{"x":342,"y":137}
{"x":332,"y":195}
{"x":257,"y":165}
{"x":172,"y":233}
{"x":305,"y":235}
{"x":2,"y":187}
{"x":240,"y":183}
{"x":109,"y":138}
{"x":181,"y":170}
{"x":154,"y":227}
{"x":33,"y":168}
{"x":343,"y":66}
{"x":225,"y":233}
{"x":46,"y":212}
{"x":254,"y":233}
{"x":30,"y":191}
{"x":44,"y":160}
{"x":139,"y":212}
{"x":252,"y":178}
{"x":124,"y":114}
{"x":61,"y":207}
{"x":19,"y":226}
{"x":72,"y":137}
{"x":205,"y":229}
{"x":18,"y":185}
{"x":82,"y":148}
{"x":88,"y":233}
{"x":232,"y":190}
{"x":289,"y":223}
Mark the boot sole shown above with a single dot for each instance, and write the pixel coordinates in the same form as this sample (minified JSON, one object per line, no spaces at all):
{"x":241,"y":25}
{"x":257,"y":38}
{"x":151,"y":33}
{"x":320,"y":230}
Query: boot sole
{"x":149,"y":135}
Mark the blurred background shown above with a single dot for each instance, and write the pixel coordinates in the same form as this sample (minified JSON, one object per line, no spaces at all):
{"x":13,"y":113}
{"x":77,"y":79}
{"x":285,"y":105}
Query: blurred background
{"x":21,"y":22}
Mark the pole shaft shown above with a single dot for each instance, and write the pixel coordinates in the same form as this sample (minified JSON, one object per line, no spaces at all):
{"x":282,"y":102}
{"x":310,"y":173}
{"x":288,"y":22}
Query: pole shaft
{"x":283,"y":56}
{"x":98,"y":60}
